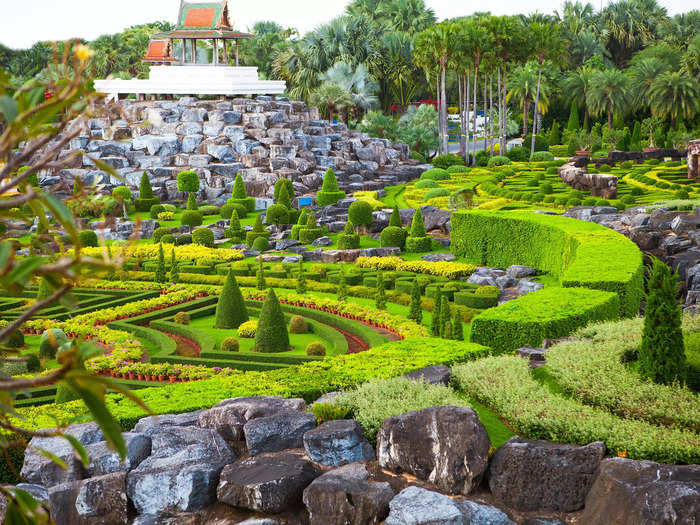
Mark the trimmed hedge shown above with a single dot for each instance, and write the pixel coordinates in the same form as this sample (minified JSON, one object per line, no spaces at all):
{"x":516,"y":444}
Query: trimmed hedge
{"x":581,"y":254}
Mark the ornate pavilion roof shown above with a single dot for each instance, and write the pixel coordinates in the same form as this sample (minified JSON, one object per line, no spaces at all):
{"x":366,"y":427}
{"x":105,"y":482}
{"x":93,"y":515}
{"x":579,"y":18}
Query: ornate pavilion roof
{"x":203,"y":20}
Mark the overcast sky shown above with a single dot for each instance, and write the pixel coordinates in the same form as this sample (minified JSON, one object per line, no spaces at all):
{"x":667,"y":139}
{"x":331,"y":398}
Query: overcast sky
{"x":23,"y":24}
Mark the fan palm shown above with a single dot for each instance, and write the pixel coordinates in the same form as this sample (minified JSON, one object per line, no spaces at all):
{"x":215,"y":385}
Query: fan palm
{"x":691,"y":59}
{"x":576,"y":85}
{"x":356,"y":81}
{"x":673,"y":95}
{"x":642,"y":75}
{"x":523,"y":87}
{"x":608,"y":93}
{"x":330,"y":97}
{"x":410,"y":16}
{"x":576,"y":16}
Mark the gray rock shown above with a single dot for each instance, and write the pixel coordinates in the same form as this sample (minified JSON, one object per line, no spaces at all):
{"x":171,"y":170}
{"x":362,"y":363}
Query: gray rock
{"x":40,"y":470}
{"x":292,"y":259}
{"x":193,"y":115}
{"x":685,"y":223}
{"x":322,"y":241}
{"x":482,"y":280}
{"x":543,"y":476}
{"x":102,"y":500}
{"x":221,"y":153}
{"x":434,"y":375}
{"x":104,"y":460}
{"x":543,"y":521}
{"x":438,"y":257}
{"x":446,"y":445}
{"x":151,"y":425}
{"x":279,"y":431}
{"x":338,"y":442}
{"x":525,"y":286}
{"x":631,"y":491}
{"x":285,"y":244}
{"x":417,"y":506}
{"x":230,"y":415}
{"x":517,"y":271}
{"x":477,"y":514}
{"x":344,"y":496}
{"x":505,"y":282}
{"x":328,"y":397}
{"x":270,"y":484}
{"x":259,"y":521}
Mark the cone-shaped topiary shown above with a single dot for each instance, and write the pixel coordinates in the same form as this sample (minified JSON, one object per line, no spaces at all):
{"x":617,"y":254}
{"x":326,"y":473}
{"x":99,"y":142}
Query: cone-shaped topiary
{"x":395,"y":219}
{"x":457,"y":328}
{"x":348,"y":240}
{"x":161,"y":276}
{"x":574,"y":123}
{"x":342,"y":286}
{"x":260,"y":274}
{"x":284,"y":198}
{"x":174,"y":270}
{"x":278,"y":187}
{"x":330,"y":193}
{"x":349,"y":228}
{"x":301,"y":223}
{"x":230,"y":308}
{"x":662,"y":353}
{"x":445,"y":318}
{"x":311,"y":221}
{"x":380,"y":294}
{"x":415,"y":310}
{"x":258,"y":225}
{"x":145,"y":188}
{"x":239,"y":191}
{"x":417,"y":225}
{"x":192,"y":202}
{"x":435,"y":320}
{"x":271,"y":335}
{"x":301,"y":278}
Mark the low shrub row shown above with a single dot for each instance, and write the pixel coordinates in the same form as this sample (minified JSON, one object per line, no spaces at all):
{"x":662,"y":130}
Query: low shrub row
{"x":506,"y":385}
{"x":449,"y":270}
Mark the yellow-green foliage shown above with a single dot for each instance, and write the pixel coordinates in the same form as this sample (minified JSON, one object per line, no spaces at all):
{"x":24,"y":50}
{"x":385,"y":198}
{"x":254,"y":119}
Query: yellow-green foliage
{"x":451,"y":270}
{"x":371,"y":198}
{"x":248,"y":329}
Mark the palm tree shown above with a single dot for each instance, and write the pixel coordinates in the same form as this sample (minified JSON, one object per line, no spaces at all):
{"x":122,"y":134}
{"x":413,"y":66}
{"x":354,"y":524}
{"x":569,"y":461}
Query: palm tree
{"x":576,"y":85}
{"x":331,"y":97}
{"x":292,"y":65}
{"x":546,"y":43}
{"x":608,"y":93}
{"x":411,"y":16}
{"x":673,"y":95}
{"x":357,"y":82}
{"x":586,"y":45}
{"x":642,"y":75}
{"x":679,"y":30}
{"x":691,"y":59}
{"x":523,"y":87}
{"x":576,"y":16}
{"x":394,"y":60}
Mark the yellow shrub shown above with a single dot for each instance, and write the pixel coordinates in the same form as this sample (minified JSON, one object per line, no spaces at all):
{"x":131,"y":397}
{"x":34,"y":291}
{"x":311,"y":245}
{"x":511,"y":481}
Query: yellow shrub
{"x":248,"y":329}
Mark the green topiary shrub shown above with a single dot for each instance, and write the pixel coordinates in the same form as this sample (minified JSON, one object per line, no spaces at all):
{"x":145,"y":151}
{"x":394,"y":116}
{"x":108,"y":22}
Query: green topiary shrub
{"x":187,"y":181}
{"x":182,"y":318}
{"x":225,"y":211}
{"x":231,"y":311}
{"x":418,"y":244}
{"x":602,"y":202}
{"x":517,"y":154}
{"x":287,"y":184}
{"x":158,"y":233}
{"x":360,"y":213}
{"x":204,"y":237}
{"x":191,"y":218}
{"x":626,"y":165}
{"x":145,"y":200}
{"x":316,"y":349}
{"x":51,"y":340}
{"x":435,"y":192}
{"x":604,"y":168}
{"x":261,"y":244}
{"x":208,"y":210}
{"x":87,"y":238}
{"x":15,"y":339}
{"x":348,"y":240}
{"x":33,"y":363}
{"x":589,"y":201}
{"x":182,"y":239}
{"x":458,"y":169}
{"x":277,"y":214}
{"x":239,"y":195}
{"x":192,"y":202}
{"x":330,"y":193}
{"x":64,"y":394}
{"x":662,"y":353}
{"x":498,"y":160}
{"x":426,"y":184}
{"x":230,"y":344}
{"x":573,"y":202}
{"x":271,"y":335}
{"x":435,"y":174}
{"x":156,"y":210}
{"x":541,"y":156}
{"x":248,"y":329}
{"x":393,"y":236}
{"x":298,"y":325}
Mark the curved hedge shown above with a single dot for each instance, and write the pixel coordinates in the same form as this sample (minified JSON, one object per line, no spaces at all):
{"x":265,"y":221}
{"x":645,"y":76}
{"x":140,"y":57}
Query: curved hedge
{"x":580,"y":254}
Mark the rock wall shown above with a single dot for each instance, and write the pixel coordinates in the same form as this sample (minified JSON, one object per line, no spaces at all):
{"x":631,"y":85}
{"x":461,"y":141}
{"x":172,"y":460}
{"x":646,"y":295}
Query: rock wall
{"x":693,"y":159}
{"x":264,"y":139}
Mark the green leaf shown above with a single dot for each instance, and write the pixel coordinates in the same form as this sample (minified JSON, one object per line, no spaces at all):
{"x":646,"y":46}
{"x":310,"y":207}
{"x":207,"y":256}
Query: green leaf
{"x":79,"y":448}
{"x":5,"y":254}
{"x":21,"y":273}
{"x":53,"y":457}
{"x":8,"y":108}
{"x":109,"y":425}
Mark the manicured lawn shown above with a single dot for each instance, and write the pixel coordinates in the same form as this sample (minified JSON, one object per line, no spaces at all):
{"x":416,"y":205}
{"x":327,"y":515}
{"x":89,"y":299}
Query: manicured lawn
{"x":298,"y":341}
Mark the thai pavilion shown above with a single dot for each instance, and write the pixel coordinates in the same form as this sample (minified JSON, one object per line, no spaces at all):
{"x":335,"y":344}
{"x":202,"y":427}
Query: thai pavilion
{"x":190,"y":73}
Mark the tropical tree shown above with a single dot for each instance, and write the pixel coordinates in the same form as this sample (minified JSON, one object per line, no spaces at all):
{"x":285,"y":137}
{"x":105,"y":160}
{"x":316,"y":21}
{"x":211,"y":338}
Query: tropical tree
{"x":355,"y":81}
{"x":576,"y":86}
{"x":642,"y":75}
{"x":674,"y":95}
{"x":523,"y":88}
{"x":409,"y":16}
{"x":330,"y":97}
{"x":608,"y":93}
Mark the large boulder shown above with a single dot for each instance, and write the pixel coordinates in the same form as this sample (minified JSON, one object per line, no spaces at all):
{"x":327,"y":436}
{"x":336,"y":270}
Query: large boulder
{"x":39,"y":469}
{"x":344,"y":497}
{"x":182,"y":473}
{"x":152,"y":425}
{"x":446,"y":445}
{"x":230,"y":415}
{"x":104,"y":460}
{"x":417,"y":506}
{"x":434,"y":375}
{"x":338,"y":442}
{"x":277,"y":432}
{"x":631,"y":491}
{"x":96,"y":501}
{"x":543,"y":476}
{"x":270,"y":484}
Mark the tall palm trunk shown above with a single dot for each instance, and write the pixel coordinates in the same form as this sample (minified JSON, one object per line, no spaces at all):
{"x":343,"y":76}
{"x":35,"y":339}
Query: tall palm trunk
{"x":537,"y":101}
{"x":526,"y":110}
{"x":437,"y":89}
{"x":459,"y":104}
{"x":504,"y":137}
{"x":443,"y":93}
{"x":476,"y":77}
{"x":486,"y":108}
{"x":491,"y":112}
{"x":467,"y":120}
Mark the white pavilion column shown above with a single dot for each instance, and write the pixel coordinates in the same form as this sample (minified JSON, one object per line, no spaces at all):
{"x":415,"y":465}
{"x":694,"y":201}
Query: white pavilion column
{"x":216,"y":52}
{"x":194,"y":50}
{"x":236,"y":41}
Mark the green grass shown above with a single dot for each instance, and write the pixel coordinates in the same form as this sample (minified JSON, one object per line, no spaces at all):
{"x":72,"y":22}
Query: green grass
{"x":394,"y":196}
{"x":498,"y":432}
{"x":298,"y":341}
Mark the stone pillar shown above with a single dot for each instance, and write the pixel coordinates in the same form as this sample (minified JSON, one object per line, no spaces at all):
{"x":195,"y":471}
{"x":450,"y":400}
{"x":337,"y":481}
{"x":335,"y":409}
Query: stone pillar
{"x":694,"y":159}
